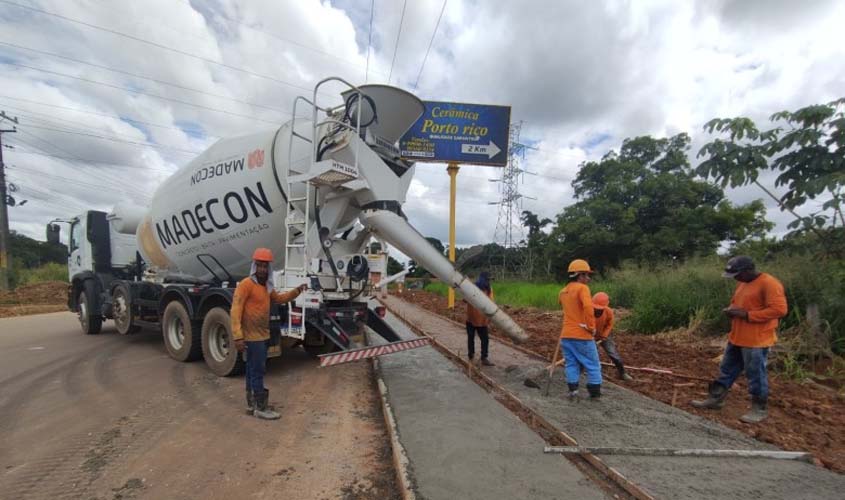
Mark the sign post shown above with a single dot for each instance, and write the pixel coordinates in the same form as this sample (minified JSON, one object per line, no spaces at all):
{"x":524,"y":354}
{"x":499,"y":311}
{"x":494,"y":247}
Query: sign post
{"x":458,"y":133}
{"x":453,"y":188}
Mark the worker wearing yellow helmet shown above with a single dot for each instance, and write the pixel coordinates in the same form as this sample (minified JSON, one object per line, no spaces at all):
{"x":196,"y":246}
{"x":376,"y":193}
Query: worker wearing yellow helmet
{"x":577,"y":336}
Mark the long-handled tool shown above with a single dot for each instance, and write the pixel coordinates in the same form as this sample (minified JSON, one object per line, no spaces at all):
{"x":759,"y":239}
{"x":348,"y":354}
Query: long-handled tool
{"x":551,"y":369}
{"x":683,"y":452}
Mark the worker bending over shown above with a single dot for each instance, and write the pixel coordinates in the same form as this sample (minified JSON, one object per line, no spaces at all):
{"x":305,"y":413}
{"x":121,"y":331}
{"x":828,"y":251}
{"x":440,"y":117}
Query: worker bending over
{"x":604,"y":329}
{"x":251,"y":327}
{"x":577,"y":336}
{"x":757,"y":304}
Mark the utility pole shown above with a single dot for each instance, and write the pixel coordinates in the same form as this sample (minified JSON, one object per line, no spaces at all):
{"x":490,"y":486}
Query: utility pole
{"x":4,"y":214}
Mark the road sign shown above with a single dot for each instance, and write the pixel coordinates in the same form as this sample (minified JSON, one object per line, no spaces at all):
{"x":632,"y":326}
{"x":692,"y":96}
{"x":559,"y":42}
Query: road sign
{"x":459,"y":133}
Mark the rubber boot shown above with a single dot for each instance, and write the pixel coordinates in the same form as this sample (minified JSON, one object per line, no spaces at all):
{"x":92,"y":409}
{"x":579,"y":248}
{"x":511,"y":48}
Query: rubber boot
{"x":261,"y":410}
{"x":250,"y":402}
{"x":715,"y":400}
{"x":487,"y":362}
{"x":759,"y":411}
{"x":594,"y":390}
{"x":573,"y":391}
{"x":620,"y":369}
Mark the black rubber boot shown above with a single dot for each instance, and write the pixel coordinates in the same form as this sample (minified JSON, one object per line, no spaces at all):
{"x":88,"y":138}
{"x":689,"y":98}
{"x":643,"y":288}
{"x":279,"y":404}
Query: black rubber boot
{"x":261,"y":410}
{"x":594,"y":390}
{"x":620,"y":370}
{"x":759,"y":411}
{"x":715,"y":400}
{"x":250,"y":402}
{"x":573,"y":391}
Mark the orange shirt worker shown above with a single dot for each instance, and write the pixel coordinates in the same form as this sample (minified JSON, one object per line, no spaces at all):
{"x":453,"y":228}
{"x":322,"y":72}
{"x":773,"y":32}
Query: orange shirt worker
{"x":757,"y":305}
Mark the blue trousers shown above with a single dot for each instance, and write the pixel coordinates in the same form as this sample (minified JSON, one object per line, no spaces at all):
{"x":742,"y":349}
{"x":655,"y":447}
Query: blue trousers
{"x":581,"y":354}
{"x":256,"y":357}
{"x":753,"y":360}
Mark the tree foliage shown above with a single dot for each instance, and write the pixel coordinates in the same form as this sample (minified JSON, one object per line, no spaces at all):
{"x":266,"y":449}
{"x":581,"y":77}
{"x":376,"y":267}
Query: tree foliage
{"x":645,"y":203}
{"x":806,"y":148}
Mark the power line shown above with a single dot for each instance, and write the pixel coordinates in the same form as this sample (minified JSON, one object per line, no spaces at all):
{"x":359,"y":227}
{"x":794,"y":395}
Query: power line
{"x":96,"y":113}
{"x":398,"y":35}
{"x":123,"y":141}
{"x":156,"y":44}
{"x":136,"y":91}
{"x":86,"y":160}
{"x":142,"y":77}
{"x":430,"y":43}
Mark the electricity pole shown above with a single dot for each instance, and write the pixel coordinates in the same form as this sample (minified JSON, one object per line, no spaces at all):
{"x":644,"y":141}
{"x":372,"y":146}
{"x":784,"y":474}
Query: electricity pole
{"x":4,"y":214}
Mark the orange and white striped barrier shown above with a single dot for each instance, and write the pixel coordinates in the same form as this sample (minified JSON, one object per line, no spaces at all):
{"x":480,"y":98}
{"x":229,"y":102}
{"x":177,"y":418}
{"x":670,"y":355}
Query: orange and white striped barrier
{"x":370,"y":352}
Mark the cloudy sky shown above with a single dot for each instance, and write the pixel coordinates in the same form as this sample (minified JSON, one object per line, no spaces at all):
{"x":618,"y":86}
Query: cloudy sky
{"x":113,"y":95}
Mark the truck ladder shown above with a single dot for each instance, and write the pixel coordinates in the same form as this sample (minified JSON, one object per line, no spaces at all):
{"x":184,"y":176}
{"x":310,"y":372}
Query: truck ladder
{"x":320,"y":173}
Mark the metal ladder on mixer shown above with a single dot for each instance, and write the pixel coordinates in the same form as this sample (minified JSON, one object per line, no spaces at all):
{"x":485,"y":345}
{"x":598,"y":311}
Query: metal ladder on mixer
{"x":319,"y":173}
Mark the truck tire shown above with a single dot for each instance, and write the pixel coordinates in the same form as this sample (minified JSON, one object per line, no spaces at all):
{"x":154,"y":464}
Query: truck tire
{"x":124,"y":320}
{"x":86,"y":304}
{"x":218,"y":349}
{"x":181,"y":335}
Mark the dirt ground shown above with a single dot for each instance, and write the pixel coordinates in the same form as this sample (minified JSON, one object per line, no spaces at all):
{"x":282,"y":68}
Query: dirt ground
{"x":802,"y":415}
{"x":49,"y":296}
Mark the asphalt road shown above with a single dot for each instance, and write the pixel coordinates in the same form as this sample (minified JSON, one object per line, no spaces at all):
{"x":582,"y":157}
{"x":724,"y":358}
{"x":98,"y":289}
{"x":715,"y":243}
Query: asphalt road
{"x":109,"y":416}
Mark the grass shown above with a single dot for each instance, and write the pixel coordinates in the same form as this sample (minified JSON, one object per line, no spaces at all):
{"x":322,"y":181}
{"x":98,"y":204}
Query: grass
{"x":676,"y":296}
{"x":48,"y":272}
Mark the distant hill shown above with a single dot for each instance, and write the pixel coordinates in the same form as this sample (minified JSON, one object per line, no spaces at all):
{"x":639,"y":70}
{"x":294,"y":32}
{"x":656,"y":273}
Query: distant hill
{"x":28,"y":253}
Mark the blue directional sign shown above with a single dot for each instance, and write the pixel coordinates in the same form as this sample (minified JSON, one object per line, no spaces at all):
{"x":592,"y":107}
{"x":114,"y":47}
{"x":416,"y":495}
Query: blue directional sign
{"x":459,"y":133}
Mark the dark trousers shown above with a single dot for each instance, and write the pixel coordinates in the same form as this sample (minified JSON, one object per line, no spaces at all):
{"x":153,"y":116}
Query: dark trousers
{"x":482,"y":334}
{"x":612,"y":352}
{"x":753,"y":361}
{"x":256,"y":358}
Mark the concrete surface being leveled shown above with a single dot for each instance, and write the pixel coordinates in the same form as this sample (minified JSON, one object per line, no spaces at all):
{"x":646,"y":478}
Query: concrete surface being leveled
{"x":622,"y":418}
{"x":461,"y":443}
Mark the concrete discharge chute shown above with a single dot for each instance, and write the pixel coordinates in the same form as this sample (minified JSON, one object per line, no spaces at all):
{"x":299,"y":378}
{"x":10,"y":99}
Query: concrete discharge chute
{"x":396,"y":230}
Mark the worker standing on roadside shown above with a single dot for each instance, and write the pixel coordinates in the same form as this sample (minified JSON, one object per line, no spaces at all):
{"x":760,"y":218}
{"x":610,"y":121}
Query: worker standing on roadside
{"x":604,"y":328}
{"x":577,"y":336}
{"x":757,"y":304}
{"x":478,"y":323}
{"x":251,"y":327}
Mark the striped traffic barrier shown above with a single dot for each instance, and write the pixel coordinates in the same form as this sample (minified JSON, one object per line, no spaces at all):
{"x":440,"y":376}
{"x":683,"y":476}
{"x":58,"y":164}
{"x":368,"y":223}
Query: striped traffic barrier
{"x":370,"y":352}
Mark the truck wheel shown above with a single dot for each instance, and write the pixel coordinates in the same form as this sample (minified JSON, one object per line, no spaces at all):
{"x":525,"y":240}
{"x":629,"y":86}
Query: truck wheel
{"x":122,"y":310}
{"x":181,"y":336}
{"x":87,"y":300}
{"x":217,"y":346}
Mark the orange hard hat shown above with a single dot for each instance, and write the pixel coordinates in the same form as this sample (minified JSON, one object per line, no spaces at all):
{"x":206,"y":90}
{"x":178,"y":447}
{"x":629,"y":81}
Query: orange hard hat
{"x":263,"y":255}
{"x":601,"y":300}
{"x":579,"y":266}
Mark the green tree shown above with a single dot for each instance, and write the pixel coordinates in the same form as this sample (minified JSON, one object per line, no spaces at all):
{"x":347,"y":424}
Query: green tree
{"x":806,"y":147}
{"x":645,"y":203}
{"x":393,"y":266}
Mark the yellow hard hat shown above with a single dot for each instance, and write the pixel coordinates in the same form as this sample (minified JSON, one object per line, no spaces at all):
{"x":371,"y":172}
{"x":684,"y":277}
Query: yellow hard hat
{"x":579,"y":266}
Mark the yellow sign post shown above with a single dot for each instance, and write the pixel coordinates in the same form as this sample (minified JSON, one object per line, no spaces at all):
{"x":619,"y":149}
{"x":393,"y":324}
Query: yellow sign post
{"x":453,"y":188}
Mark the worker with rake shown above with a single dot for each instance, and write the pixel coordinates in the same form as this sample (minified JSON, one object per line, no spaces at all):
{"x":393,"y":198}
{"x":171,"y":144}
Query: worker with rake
{"x":604,"y":329}
{"x":577,"y":336}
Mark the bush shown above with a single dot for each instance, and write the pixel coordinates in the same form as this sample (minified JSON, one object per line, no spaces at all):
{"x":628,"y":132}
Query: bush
{"x":48,"y":272}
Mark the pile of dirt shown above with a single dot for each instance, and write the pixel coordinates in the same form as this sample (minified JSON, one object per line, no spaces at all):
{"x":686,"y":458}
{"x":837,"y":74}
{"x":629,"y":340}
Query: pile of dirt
{"x":803,"y":415}
{"x":47,"y":296}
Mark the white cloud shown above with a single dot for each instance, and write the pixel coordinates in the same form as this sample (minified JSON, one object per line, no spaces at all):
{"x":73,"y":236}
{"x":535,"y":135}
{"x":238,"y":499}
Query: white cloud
{"x":582,"y":75}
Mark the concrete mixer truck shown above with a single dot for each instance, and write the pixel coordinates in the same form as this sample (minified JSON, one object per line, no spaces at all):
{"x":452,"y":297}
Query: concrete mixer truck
{"x":314,"y":191}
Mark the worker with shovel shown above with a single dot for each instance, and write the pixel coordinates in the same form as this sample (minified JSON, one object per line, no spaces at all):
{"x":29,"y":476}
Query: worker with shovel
{"x":251,"y":327}
{"x":604,"y":328}
{"x":577,"y":336}
{"x":757,"y":304}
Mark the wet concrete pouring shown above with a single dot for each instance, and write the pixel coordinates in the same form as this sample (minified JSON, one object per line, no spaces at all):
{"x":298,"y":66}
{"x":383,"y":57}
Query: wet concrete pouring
{"x":624,"y":418}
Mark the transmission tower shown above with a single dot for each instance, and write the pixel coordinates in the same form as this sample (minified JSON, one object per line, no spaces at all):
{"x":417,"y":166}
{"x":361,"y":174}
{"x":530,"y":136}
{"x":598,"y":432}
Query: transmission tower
{"x":509,"y":230}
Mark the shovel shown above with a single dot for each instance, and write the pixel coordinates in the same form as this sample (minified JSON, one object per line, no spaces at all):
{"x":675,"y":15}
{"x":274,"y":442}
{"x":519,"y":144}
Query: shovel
{"x":551,"y":370}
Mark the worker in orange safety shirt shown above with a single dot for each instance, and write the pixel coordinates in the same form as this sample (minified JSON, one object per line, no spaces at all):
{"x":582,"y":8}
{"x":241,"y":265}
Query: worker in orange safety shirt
{"x":251,"y":327}
{"x":478,"y":323}
{"x":757,"y":305}
{"x":577,"y":336}
{"x":604,"y":328}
